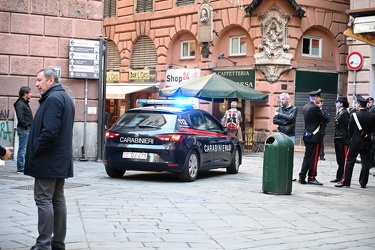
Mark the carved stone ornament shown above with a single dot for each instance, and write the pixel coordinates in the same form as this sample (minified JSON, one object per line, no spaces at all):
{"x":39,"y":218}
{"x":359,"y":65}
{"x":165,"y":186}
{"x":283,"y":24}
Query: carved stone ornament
{"x":273,"y":58}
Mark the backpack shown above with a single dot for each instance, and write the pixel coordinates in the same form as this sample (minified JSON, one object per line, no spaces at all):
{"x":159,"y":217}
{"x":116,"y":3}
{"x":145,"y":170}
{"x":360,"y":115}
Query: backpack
{"x":232,"y":120}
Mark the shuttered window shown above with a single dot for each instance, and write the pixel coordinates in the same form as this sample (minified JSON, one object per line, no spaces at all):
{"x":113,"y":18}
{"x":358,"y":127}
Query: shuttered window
{"x":113,"y":57}
{"x":110,"y":8}
{"x":144,"y":6}
{"x":144,"y":54}
{"x":184,"y":2}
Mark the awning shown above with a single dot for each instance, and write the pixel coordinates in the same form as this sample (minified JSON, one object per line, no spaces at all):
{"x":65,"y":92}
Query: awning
{"x":119,"y":90}
{"x":364,"y":24}
{"x":368,"y":38}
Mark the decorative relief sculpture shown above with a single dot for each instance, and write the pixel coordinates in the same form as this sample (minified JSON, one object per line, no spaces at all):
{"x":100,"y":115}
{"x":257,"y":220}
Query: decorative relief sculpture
{"x":273,"y":58}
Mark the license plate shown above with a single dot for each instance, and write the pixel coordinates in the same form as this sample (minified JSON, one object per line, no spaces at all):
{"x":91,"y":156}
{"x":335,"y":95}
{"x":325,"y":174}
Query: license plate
{"x":132,"y":155}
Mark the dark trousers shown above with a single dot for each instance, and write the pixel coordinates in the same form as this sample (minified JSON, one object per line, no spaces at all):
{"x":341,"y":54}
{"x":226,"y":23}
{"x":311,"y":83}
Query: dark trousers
{"x":50,"y":200}
{"x":321,"y":150}
{"x":340,"y":150}
{"x":310,"y":161}
{"x":349,"y":165}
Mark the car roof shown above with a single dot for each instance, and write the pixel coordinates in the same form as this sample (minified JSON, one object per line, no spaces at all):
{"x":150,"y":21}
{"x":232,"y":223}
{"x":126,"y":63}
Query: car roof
{"x":166,"y":109}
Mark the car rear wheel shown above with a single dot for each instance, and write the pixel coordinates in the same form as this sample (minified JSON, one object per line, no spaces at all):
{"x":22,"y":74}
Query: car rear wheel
{"x":115,"y":172}
{"x":235,"y":164}
{"x":191,"y":167}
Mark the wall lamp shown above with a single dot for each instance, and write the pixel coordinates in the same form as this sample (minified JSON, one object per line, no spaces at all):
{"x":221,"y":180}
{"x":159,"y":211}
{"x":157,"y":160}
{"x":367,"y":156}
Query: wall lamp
{"x":221,"y":56}
{"x":172,"y":64}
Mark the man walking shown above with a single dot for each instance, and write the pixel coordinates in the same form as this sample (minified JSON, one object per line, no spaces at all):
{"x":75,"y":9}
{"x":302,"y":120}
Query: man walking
{"x":49,"y":158}
{"x":361,"y":125}
{"x":312,"y":138}
{"x":232,"y":119}
{"x":24,"y":118}
{"x":341,"y":139}
{"x":285,"y":117}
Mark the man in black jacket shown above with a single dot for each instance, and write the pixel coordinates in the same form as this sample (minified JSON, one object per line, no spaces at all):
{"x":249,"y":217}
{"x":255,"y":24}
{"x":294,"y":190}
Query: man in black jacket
{"x":24,"y":118}
{"x":361,"y":125}
{"x":341,"y":139}
{"x":49,"y":158}
{"x":312,"y":138}
{"x":285,"y":117}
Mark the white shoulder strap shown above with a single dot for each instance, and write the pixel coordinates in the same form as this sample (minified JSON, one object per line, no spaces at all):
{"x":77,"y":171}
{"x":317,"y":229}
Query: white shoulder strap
{"x":356,"y":121}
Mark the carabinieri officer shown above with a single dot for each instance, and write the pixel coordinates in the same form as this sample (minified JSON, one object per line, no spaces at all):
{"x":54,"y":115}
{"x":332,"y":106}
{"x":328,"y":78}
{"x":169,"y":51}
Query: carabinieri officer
{"x":312,"y":138}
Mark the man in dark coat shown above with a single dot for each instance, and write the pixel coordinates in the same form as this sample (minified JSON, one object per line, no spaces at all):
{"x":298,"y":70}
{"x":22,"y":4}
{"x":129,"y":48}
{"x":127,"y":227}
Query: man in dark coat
{"x":312,"y":138}
{"x":49,"y":158}
{"x":341,"y":139}
{"x":360,"y":143}
{"x":285,"y":116}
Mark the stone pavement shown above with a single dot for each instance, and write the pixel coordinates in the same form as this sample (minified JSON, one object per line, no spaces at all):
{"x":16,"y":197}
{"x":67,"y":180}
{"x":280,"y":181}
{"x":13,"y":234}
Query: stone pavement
{"x":146,"y":210}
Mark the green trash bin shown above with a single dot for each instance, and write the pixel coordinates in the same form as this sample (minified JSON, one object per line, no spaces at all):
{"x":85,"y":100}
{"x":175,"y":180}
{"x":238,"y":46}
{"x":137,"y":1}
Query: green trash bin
{"x":278,"y":164}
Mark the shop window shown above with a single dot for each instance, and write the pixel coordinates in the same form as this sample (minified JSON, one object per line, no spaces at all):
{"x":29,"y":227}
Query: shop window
{"x":144,"y":6}
{"x":188,"y":49}
{"x":238,"y":46}
{"x":312,"y":46}
{"x":184,"y":2}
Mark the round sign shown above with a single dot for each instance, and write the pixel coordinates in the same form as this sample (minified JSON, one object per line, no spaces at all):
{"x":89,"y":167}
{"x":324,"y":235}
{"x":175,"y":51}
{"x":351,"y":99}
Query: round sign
{"x":354,"y":61}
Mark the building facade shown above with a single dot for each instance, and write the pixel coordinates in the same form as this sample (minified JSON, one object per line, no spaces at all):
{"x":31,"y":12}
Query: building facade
{"x":35,"y":34}
{"x":274,"y":46}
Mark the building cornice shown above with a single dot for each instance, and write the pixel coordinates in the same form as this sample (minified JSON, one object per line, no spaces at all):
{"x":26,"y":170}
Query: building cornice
{"x":255,"y":4}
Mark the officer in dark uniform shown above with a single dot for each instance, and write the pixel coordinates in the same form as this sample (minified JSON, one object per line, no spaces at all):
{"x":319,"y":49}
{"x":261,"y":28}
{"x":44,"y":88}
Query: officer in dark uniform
{"x":360,"y":143}
{"x":341,"y":135}
{"x":312,"y":138}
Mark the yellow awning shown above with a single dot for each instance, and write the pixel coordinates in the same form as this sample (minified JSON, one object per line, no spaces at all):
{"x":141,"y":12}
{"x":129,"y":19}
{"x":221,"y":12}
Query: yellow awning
{"x":119,"y":90}
{"x":368,"y":38}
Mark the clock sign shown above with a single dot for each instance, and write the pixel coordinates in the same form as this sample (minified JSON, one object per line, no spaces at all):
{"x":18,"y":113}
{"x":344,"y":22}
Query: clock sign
{"x":354,"y":61}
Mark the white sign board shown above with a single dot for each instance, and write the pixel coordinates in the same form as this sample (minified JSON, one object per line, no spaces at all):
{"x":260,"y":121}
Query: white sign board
{"x":176,"y":76}
{"x":83,"y":59}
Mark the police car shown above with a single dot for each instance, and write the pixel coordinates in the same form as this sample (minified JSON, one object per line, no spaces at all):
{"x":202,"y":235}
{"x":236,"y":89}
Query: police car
{"x":178,"y":139}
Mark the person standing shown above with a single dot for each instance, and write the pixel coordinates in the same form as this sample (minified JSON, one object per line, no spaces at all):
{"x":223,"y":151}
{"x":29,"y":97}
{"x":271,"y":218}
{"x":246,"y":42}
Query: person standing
{"x":312,"y":138}
{"x":285,"y":117}
{"x":232,"y":117}
{"x":371,"y":108}
{"x":49,"y":158}
{"x":24,"y":118}
{"x":361,"y":125}
{"x":341,"y":139}
{"x":323,"y":129}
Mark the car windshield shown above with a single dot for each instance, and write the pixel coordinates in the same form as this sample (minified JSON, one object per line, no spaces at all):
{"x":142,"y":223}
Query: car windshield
{"x":147,"y":120}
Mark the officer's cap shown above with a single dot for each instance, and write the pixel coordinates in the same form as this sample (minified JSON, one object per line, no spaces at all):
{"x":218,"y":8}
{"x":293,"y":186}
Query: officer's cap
{"x":342,"y":99}
{"x":315,"y":93}
{"x":361,"y":99}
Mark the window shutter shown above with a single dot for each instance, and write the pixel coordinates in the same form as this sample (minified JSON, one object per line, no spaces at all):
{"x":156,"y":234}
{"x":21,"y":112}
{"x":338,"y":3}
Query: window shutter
{"x":110,"y":8}
{"x":184,"y":2}
{"x":144,"y":6}
{"x":144,"y":54}
{"x":113,"y":57}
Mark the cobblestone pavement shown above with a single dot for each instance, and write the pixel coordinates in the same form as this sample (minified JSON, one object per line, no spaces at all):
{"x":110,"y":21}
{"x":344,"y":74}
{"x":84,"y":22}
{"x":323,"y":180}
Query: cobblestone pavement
{"x":146,"y":210}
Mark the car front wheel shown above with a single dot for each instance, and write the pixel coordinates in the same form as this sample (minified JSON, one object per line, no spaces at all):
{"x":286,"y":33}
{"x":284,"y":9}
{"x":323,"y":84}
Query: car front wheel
{"x":191,"y":167}
{"x":115,"y":172}
{"x":235,"y":164}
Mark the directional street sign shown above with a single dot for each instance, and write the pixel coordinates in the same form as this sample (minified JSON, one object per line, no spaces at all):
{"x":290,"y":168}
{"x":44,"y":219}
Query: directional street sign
{"x":83,"y":59}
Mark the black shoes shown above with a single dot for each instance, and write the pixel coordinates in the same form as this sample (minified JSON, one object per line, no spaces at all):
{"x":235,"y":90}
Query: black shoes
{"x":322,"y":158}
{"x":302,"y":181}
{"x":339,"y":185}
{"x":315,"y":182}
{"x":335,"y":180}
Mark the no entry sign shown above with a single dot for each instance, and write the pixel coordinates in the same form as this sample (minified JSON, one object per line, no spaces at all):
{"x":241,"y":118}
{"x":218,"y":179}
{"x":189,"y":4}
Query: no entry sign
{"x":354,"y":61}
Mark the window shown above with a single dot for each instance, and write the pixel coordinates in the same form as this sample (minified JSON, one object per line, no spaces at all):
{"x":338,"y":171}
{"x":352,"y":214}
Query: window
{"x":188,"y":50}
{"x":238,"y":46}
{"x":312,"y":46}
{"x":144,"y":6}
{"x":184,"y":2}
{"x":109,"y":8}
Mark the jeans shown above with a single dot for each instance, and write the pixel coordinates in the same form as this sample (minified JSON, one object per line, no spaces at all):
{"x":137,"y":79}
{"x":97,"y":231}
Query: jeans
{"x":23,"y":136}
